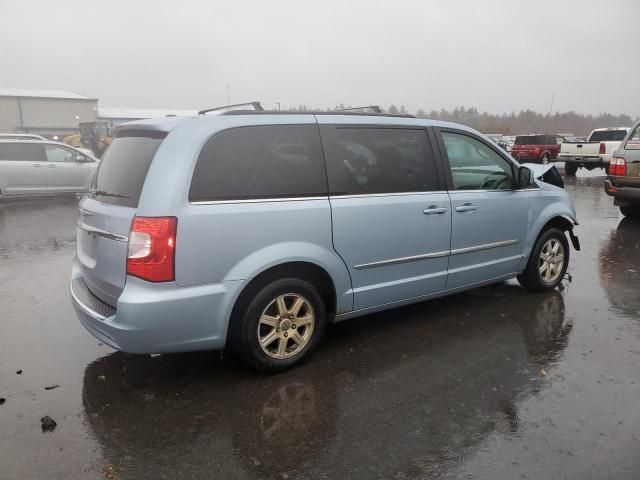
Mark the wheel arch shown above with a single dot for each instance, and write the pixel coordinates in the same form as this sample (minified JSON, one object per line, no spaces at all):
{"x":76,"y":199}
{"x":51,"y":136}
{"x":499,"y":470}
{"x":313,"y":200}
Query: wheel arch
{"x":304,"y":270}
{"x":562,"y":221}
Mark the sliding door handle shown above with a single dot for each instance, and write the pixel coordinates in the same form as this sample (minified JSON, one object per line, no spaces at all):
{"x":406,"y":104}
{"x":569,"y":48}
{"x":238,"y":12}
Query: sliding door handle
{"x":434,"y":210}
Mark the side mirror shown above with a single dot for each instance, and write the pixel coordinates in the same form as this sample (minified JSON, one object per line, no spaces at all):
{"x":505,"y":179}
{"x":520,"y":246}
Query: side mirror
{"x":81,"y":159}
{"x":524,"y":177}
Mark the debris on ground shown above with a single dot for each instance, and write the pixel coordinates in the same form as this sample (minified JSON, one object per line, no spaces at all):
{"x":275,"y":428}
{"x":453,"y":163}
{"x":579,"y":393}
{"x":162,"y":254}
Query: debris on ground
{"x":48,"y":424}
{"x":19,"y":372}
{"x":51,"y":387}
{"x":2,"y":400}
{"x":108,"y":472}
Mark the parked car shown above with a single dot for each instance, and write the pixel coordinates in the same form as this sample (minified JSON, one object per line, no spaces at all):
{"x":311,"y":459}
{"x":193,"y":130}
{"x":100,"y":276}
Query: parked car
{"x":536,"y":148}
{"x":256,"y":229}
{"x":595,"y":153}
{"x":20,"y":136}
{"x":623,"y":182}
{"x":41,"y":166}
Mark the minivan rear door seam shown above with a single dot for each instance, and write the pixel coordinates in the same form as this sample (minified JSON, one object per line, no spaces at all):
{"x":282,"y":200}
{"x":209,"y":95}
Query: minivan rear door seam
{"x":333,"y":245}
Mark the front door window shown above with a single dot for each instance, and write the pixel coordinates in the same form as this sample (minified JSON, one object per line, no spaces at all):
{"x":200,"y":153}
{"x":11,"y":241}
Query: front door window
{"x":475,"y":166}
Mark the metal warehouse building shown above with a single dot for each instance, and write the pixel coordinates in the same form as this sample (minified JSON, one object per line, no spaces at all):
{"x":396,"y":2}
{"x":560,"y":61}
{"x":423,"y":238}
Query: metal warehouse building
{"x":44,"y":112}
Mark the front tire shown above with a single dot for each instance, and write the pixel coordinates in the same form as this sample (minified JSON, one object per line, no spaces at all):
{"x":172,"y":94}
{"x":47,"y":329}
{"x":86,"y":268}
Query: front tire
{"x":281,"y":325}
{"x":548,"y":261}
{"x":545,"y":159}
{"x":631,"y":212}
{"x":570,"y":169}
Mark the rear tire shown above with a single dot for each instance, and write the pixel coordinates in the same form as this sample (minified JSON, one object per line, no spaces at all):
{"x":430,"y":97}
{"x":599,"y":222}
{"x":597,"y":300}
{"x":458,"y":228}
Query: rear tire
{"x":606,"y":169}
{"x":548,"y":261}
{"x":545,"y":159}
{"x":570,"y":169}
{"x":268,"y":337}
{"x":631,"y":212}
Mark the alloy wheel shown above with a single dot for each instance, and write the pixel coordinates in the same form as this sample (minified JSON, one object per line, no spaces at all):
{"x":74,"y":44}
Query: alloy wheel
{"x":551,"y":261}
{"x":286,"y":326}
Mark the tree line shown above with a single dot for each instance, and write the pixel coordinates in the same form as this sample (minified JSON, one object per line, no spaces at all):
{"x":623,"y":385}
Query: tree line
{"x":525,"y":121}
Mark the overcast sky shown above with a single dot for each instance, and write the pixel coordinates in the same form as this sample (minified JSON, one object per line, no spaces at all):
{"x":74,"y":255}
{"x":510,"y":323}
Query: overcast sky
{"x":498,"y":56}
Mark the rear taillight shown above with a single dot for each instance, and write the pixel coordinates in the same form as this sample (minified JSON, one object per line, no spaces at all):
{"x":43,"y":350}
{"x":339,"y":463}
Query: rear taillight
{"x":152,"y":244}
{"x":618,"y":167}
{"x":603,"y":149}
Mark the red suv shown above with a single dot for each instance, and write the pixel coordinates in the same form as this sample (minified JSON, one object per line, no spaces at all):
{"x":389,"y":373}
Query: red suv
{"x":536,"y":148}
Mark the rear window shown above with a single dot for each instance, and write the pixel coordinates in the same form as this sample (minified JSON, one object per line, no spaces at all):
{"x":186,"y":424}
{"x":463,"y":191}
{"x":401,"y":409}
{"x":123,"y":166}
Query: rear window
{"x":266,"y":161}
{"x":528,"y":140}
{"x":537,"y":140}
{"x":22,"y":152}
{"x":608,"y":136}
{"x":124,"y":167}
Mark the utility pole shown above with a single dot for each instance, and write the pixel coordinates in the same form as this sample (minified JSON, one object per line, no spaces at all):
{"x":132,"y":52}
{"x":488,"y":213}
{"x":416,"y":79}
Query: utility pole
{"x":553,"y":95}
{"x":278,"y":103}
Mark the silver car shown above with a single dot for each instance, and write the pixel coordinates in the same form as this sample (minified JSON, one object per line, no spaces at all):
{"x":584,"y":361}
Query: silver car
{"x":257,"y":229}
{"x":41,"y":166}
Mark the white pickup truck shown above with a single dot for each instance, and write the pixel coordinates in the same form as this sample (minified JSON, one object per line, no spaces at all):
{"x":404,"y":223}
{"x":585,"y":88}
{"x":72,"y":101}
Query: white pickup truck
{"x":594,"y":153}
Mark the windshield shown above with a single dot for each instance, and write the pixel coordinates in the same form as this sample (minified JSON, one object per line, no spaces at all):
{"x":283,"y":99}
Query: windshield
{"x":608,"y":136}
{"x":123,"y":169}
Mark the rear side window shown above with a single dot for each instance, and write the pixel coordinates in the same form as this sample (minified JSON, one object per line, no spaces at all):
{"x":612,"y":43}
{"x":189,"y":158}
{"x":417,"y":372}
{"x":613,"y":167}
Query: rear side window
{"x":634,"y":140}
{"x":531,"y":140}
{"x":124,"y":166}
{"x":265,"y":161}
{"x":22,"y":152}
{"x":363,"y":161}
{"x":608,"y":136}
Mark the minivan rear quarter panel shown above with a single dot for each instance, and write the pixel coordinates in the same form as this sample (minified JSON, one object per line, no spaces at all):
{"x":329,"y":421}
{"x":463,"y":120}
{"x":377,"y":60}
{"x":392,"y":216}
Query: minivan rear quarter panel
{"x":236,"y":240}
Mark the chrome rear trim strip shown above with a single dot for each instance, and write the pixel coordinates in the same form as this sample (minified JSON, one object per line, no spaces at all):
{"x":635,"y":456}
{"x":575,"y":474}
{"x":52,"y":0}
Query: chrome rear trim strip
{"x":101,"y":233}
{"x":395,"y":261}
{"x":486,"y":246}
{"x":256,"y":200}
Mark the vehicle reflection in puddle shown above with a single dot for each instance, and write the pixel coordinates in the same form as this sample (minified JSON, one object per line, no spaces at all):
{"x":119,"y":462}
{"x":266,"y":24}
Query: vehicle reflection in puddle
{"x":620,"y":270}
{"x":410,"y":392}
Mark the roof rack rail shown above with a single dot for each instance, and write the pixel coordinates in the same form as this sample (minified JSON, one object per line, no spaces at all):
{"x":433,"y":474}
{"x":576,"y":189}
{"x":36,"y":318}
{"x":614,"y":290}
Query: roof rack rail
{"x":313,"y":112}
{"x":257,"y":106}
{"x":375,"y":108}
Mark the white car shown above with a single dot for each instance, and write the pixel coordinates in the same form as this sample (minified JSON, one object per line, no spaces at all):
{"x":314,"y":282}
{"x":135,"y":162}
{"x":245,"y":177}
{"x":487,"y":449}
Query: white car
{"x":594,"y":153}
{"x":20,"y":136}
{"x":42,"y":166}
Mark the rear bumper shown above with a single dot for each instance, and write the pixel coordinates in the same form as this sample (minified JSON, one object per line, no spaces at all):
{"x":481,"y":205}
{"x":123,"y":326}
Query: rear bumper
{"x":156,"y":318}
{"x":584,"y":161}
{"x":622,"y":192}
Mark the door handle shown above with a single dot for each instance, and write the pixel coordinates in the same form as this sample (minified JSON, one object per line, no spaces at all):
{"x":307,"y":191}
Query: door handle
{"x":434,"y":210}
{"x":37,"y":165}
{"x":51,"y":166}
{"x":467,"y":207}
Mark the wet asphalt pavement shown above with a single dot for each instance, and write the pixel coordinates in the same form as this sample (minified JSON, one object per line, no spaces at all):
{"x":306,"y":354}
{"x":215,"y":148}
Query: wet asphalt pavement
{"x":496,"y":383}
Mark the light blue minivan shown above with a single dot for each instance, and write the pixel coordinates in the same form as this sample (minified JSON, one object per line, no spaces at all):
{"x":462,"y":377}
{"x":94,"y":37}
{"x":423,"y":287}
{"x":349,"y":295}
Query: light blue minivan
{"x":256,"y":229}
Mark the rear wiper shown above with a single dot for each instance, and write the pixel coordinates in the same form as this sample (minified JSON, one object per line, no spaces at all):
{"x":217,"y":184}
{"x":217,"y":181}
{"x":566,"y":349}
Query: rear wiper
{"x":106,"y":194}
